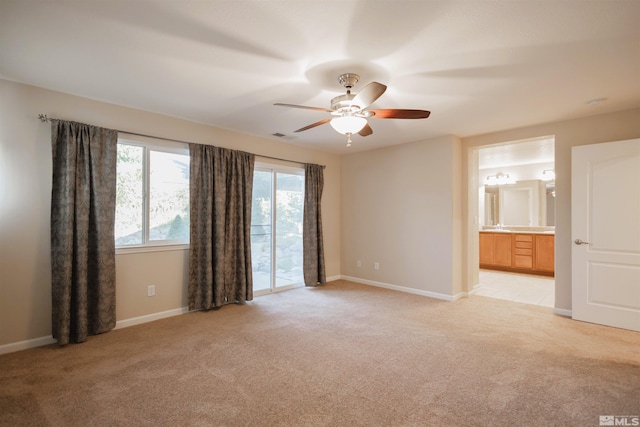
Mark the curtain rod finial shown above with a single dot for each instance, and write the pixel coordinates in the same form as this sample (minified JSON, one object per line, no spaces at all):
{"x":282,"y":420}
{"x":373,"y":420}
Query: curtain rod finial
{"x":44,"y":118}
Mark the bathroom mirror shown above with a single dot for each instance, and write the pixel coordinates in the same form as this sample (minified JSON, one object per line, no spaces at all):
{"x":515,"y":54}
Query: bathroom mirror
{"x":526,"y":203}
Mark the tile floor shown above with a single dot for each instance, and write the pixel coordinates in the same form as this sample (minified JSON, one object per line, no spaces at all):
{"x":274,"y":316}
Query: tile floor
{"x":523,"y":288}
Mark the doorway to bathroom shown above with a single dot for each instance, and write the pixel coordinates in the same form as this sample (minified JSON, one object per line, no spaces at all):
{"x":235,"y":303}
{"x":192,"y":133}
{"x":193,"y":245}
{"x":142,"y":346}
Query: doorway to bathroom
{"x":516,"y":221}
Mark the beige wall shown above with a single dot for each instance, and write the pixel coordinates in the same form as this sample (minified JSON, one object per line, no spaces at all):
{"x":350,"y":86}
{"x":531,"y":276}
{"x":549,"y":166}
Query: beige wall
{"x":407,"y":207}
{"x":25,"y":194}
{"x":591,"y":130}
{"x":401,"y":208}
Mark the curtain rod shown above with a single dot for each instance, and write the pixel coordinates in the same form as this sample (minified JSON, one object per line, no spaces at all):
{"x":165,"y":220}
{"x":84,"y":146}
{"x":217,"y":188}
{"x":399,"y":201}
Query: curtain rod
{"x":44,"y":118}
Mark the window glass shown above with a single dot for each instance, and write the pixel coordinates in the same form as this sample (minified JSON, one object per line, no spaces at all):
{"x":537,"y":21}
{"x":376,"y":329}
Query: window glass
{"x":261,"y":230}
{"x":276,"y":228}
{"x":152,"y":195}
{"x":129,"y":195}
{"x":168,"y":196}
{"x":289,"y":209}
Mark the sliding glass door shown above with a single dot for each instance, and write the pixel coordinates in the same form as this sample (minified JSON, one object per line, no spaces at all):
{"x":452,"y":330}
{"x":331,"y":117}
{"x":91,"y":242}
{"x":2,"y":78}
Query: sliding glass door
{"x":276,"y":228}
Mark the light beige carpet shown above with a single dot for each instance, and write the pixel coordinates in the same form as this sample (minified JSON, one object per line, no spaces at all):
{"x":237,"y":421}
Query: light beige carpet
{"x":339,"y":355}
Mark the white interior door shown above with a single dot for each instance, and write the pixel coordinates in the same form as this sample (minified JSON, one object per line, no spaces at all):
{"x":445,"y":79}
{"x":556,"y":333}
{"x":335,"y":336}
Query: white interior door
{"x":605,"y":206}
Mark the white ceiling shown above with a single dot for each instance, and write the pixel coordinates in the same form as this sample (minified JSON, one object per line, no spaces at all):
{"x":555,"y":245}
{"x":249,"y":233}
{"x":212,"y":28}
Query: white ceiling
{"x":517,"y":153}
{"x":478,"y":66}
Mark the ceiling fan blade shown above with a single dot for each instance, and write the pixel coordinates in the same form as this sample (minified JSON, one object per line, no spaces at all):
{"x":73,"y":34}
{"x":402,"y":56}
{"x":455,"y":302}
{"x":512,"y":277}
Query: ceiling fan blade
{"x":302,"y":106}
{"x":400,"y":114}
{"x":366,"y":130}
{"x":312,"y":125}
{"x":369,"y":94}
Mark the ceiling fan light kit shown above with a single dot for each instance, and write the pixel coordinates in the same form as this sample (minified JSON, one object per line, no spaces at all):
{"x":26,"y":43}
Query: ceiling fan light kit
{"x":349,"y":110}
{"x":348,"y":124}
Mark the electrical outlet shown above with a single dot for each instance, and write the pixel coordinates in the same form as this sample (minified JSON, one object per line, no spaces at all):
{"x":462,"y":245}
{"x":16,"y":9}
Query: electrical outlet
{"x":151,"y":290}
{"x":358,"y":263}
{"x":376,"y":266}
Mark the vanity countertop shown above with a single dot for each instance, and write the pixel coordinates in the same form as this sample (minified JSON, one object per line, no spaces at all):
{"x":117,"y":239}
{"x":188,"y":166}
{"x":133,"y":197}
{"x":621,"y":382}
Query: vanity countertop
{"x":520,"y":230}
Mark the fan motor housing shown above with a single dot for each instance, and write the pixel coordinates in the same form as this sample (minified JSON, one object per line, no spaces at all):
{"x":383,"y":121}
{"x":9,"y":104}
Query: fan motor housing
{"x":343,"y":103}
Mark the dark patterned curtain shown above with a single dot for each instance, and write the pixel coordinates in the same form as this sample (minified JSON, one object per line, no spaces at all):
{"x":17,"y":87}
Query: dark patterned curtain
{"x":83,"y":200}
{"x":312,"y":244}
{"x":221,"y":184}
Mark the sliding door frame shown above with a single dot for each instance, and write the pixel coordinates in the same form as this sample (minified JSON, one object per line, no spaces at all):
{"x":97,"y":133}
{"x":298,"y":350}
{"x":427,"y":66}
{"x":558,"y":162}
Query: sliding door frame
{"x":276,"y":169}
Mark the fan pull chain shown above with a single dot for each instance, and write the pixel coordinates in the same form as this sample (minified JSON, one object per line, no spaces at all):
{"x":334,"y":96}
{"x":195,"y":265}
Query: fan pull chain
{"x":349,"y":140}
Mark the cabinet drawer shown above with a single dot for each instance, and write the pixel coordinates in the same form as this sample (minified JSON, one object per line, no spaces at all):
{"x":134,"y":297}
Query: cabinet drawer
{"x":523,"y":238}
{"x":524,"y":245}
{"x":523,"y":251}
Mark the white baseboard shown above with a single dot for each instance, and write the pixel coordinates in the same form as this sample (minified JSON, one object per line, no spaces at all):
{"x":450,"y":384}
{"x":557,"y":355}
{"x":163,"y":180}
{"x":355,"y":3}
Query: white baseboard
{"x":459,"y":295}
{"x":475,"y":289}
{"x":150,"y":317}
{"x":334,"y":278}
{"x":562,"y":312}
{"x":405,"y":289}
{"x":24,"y":345}
{"x":38,"y":342}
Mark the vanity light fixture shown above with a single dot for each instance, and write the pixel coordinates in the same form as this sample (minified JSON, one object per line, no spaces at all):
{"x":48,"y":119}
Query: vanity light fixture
{"x":548,"y":175}
{"x":499,"y":179}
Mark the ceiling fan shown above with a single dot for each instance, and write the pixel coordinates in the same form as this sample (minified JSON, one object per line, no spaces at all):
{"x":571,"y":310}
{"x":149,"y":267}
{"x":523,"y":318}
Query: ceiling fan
{"x":349,"y":113}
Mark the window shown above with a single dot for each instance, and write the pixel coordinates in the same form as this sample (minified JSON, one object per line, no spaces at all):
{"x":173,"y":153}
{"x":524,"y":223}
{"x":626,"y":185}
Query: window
{"x":276,"y":228}
{"x":152,"y":194}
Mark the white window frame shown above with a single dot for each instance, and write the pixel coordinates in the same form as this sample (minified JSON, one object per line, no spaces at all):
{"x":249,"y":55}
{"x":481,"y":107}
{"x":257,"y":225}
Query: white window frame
{"x":148,"y":145}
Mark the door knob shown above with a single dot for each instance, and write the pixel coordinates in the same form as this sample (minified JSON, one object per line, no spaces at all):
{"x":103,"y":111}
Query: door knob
{"x":580,"y":242}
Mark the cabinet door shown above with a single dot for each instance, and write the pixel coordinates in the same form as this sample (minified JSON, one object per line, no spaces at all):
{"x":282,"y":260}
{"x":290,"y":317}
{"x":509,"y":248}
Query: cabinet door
{"x":545,"y":253}
{"x":486,"y":248}
{"x":502,"y":250}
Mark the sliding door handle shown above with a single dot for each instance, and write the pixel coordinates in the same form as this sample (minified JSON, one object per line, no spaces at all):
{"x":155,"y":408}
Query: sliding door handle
{"x":580,"y":242}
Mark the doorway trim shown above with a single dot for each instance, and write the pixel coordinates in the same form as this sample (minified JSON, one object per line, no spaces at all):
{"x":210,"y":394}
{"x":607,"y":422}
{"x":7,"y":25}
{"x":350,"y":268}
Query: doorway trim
{"x":472,"y":211}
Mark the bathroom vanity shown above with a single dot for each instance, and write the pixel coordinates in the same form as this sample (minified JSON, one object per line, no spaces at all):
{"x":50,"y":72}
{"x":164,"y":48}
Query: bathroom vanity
{"x":519,"y":251}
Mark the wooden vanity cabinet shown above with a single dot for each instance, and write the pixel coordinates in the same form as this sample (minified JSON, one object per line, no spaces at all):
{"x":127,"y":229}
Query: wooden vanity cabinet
{"x":518,"y":252}
{"x":495,"y":249}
